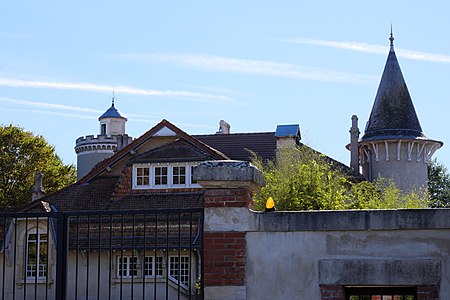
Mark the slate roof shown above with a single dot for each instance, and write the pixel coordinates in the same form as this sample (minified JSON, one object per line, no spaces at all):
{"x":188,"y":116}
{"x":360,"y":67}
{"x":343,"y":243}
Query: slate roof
{"x":97,"y":195}
{"x":94,"y":195}
{"x":112,"y":112}
{"x":178,"y":150}
{"x":237,"y":145}
{"x":393,"y":114}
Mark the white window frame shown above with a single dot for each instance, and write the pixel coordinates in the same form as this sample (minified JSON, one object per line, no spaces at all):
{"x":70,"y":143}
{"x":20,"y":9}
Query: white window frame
{"x":170,"y":175}
{"x":180,"y":264}
{"x":160,"y":176}
{"x":179,"y":175}
{"x":42,"y":268}
{"x":127,"y":261}
{"x":145,"y":176}
{"x":155,"y":267}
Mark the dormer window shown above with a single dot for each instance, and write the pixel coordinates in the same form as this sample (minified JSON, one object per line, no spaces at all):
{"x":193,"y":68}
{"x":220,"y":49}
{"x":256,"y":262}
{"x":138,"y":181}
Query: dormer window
{"x":163,"y":175}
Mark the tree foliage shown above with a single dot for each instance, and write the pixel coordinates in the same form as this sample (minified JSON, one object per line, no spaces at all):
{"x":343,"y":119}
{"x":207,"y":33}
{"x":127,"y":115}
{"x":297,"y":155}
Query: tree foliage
{"x":302,"y":179}
{"x":22,"y":154}
{"x":438,"y":185}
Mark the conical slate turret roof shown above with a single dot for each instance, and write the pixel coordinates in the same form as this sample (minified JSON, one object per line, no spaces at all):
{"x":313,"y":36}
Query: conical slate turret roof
{"x":112,"y":112}
{"x":393,"y":114}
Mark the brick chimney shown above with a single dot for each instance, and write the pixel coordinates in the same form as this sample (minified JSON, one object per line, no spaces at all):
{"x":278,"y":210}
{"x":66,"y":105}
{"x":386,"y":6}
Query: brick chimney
{"x":354,"y":147}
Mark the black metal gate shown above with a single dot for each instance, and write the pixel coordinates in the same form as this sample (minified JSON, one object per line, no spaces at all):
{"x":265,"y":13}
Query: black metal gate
{"x":147,"y":254}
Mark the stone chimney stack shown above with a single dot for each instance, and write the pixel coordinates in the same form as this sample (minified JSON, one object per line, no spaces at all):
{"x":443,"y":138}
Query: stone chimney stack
{"x":224,"y":127}
{"x":354,"y":147}
{"x":38,"y":191}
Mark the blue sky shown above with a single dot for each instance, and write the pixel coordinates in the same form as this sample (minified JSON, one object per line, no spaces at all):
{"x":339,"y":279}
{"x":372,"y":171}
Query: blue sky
{"x":255,"y":64}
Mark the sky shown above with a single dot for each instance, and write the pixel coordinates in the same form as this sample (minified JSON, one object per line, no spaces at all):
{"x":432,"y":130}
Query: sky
{"x":255,"y":64}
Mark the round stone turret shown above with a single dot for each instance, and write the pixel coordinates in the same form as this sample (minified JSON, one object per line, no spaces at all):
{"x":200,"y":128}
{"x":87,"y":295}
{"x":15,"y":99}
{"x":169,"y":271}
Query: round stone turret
{"x":93,"y":149}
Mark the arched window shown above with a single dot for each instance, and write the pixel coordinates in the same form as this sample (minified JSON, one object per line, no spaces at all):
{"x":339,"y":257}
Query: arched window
{"x":37,"y":255}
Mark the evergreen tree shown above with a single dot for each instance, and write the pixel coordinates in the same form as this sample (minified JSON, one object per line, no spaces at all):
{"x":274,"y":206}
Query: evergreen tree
{"x":438,"y":185}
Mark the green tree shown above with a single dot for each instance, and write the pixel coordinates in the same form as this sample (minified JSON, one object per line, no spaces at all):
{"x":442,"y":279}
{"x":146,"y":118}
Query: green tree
{"x":303,"y":179}
{"x":22,"y":154}
{"x":384,"y":194}
{"x":438,"y":185}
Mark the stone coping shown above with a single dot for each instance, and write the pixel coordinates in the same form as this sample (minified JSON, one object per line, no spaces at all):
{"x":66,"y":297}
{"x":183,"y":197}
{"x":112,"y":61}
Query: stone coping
{"x":401,"y":219}
{"x":243,"y":219}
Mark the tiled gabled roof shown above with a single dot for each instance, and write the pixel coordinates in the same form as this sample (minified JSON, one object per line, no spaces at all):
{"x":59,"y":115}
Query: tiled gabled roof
{"x":124,"y":152}
{"x":237,"y":145}
{"x":94,"y":195}
{"x":178,"y":150}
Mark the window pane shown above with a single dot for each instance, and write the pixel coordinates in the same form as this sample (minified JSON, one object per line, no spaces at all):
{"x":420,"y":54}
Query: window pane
{"x":192,"y":177}
{"x":159,"y":266}
{"x":148,"y":266}
{"x":142,"y":176}
{"x":36,"y":255}
{"x":160,"y":175}
{"x":179,"y":269}
{"x":179,"y":175}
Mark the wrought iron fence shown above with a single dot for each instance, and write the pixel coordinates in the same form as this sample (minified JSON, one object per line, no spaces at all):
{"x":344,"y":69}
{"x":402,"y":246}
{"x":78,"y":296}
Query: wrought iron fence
{"x":147,"y":254}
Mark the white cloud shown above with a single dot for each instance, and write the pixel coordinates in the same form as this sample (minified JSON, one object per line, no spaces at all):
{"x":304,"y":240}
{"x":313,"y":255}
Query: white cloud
{"x":194,"y":96}
{"x":47,"y":112}
{"x":48,"y":105}
{"x":254,"y":67}
{"x":141,"y":118}
{"x":369,"y":48}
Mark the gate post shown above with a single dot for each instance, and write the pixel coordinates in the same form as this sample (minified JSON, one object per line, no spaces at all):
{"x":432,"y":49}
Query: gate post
{"x":229,"y":188}
{"x":61,"y":255}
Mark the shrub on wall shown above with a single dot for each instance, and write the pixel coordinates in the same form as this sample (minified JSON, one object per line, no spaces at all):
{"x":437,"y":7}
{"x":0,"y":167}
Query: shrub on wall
{"x":303,"y":179}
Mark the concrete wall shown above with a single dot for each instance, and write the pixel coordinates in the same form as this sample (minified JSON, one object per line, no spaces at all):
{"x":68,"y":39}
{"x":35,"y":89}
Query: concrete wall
{"x":289,"y":255}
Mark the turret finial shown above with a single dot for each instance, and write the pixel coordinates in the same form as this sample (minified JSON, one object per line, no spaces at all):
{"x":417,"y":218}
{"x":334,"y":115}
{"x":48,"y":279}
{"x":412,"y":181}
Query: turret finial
{"x":113,"y":99}
{"x":391,"y":38}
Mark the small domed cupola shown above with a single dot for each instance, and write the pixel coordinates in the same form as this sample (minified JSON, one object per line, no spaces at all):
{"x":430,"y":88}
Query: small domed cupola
{"x":93,"y":149}
{"x":112,"y":122}
{"x":112,"y":112}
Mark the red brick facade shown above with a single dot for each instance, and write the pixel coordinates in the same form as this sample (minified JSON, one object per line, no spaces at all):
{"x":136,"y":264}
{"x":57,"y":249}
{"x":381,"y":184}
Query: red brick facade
{"x":240,"y":197}
{"x":224,"y":258}
{"x":332,"y":292}
{"x":427,"y":292}
{"x":224,"y":252}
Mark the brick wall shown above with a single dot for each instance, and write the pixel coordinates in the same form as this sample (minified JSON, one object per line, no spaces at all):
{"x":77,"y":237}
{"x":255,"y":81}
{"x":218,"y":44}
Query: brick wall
{"x":427,"y":292}
{"x":332,"y":292}
{"x":224,"y":251}
{"x":337,"y":292}
{"x":224,"y":258}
